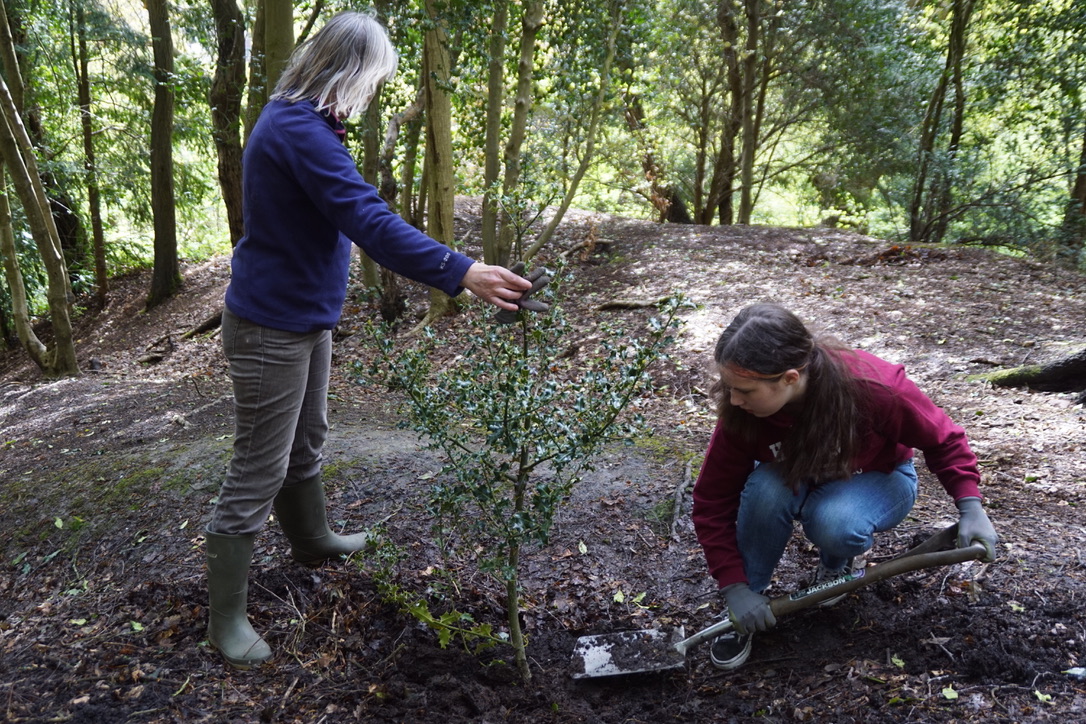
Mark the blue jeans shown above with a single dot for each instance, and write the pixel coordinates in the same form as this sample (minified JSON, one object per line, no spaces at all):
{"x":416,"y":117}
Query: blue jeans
{"x":281,"y":418}
{"x":840,"y":517}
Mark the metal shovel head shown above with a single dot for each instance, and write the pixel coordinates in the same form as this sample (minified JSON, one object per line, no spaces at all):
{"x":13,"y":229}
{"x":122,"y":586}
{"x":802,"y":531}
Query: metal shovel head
{"x":628,"y":652}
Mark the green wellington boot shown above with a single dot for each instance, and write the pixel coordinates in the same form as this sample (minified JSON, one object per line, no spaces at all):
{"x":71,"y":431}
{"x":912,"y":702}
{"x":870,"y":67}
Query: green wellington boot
{"x":301,"y":512}
{"x":228,"y":629}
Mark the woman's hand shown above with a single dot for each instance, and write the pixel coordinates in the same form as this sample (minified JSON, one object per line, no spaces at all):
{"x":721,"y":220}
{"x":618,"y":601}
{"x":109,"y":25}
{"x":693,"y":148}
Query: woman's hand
{"x":495,"y":284}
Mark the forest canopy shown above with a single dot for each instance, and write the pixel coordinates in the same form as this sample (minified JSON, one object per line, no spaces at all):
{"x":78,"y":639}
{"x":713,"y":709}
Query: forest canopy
{"x":921,"y":122}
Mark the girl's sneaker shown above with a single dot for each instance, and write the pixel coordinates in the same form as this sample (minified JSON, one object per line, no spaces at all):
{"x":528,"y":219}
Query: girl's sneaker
{"x":824,"y":574}
{"x":730,"y":650}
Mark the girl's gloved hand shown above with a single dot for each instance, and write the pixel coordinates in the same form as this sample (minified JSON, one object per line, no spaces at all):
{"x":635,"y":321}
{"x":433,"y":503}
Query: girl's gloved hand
{"x":974,"y":526}
{"x":749,"y":611}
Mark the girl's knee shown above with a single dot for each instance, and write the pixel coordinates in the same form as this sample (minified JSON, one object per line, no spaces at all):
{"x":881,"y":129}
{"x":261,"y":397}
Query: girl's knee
{"x":839,"y":533}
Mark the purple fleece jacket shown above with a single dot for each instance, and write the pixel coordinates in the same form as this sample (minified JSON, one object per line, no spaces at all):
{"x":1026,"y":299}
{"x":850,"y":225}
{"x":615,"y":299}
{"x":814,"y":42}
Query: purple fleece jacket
{"x":902,"y":418}
{"x":304,"y":203}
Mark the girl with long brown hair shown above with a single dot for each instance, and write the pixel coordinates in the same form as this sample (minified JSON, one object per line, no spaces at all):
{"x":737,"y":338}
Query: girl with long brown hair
{"x":810,"y":430}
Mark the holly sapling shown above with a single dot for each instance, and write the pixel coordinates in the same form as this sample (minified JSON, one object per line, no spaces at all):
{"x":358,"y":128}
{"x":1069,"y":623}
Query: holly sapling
{"x":518,"y":415}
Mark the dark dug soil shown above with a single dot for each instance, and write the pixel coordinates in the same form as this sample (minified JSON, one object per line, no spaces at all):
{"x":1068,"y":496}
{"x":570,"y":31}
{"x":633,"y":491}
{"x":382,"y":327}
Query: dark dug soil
{"x":107,"y":481}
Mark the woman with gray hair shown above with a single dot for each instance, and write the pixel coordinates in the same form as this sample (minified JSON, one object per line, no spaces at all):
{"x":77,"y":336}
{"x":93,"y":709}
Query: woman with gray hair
{"x":304,"y":205}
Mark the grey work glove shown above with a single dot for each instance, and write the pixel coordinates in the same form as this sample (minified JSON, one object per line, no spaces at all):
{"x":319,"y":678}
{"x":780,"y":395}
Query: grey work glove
{"x":974,"y":526}
{"x":749,"y":611}
{"x":539,"y":279}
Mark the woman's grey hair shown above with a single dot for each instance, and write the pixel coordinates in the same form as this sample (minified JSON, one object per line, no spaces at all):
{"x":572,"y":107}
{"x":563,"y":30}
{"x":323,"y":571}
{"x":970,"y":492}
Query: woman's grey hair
{"x":341,"y":66}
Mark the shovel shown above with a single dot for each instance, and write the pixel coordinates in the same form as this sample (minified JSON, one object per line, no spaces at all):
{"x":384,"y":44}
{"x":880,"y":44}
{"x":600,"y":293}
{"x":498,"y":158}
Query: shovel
{"x":664,"y":649}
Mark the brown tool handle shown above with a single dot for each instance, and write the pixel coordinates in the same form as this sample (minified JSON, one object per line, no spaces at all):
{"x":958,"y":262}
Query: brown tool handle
{"x":911,"y":561}
{"x":928,"y":554}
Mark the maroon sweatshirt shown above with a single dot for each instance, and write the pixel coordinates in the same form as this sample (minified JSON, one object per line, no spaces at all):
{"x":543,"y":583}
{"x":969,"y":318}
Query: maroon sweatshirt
{"x":902,"y":418}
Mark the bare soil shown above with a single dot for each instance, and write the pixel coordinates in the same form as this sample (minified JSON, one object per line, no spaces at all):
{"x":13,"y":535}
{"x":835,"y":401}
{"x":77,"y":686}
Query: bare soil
{"x":107,"y":480}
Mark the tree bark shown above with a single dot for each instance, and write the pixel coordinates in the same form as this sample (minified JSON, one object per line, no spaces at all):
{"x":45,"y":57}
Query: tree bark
{"x":931,"y":198}
{"x":393,"y":302}
{"x":1071,"y":248}
{"x":495,"y":102}
{"x":942,"y":196}
{"x":227,"y":92}
{"x":61,"y":205}
{"x":440,"y":193}
{"x":1065,"y":374}
{"x":719,"y":201}
{"x":18,"y":155}
{"x":371,"y":154}
{"x":258,"y":76}
{"x":411,"y":204}
{"x":518,"y":130}
{"x":318,"y":8}
{"x":387,"y":185}
{"x":667,"y":202}
{"x":166,"y":276}
{"x":90,"y":165}
{"x":20,"y":312}
{"x":748,"y":64}
{"x":278,"y":39}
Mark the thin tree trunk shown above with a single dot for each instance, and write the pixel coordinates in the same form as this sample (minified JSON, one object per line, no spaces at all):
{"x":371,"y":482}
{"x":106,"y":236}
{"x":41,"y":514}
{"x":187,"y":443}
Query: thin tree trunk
{"x":667,"y":202}
{"x":387,"y":185}
{"x":10,"y":56}
{"x":278,"y":39}
{"x":227,"y":92}
{"x":590,"y":138}
{"x":701,"y":159}
{"x":13,"y":36}
{"x":166,"y":276}
{"x":495,"y":102}
{"x":318,"y":8}
{"x":440,"y":187}
{"x":719,"y":200}
{"x":942,"y":198}
{"x":81,"y":60}
{"x":512,"y":581}
{"x":522,"y":105}
{"x":931,"y":192}
{"x":411,"y":203}
{"x":18,"y":155}
{"x":258,"y":74}
{"x":918,"y":220}
{"x":766,"y":70}
{"x":749,"y":64}
{"x":392,"y":299}
{"x":34,"y":347}
{"x":371,"y":153}
{"x":1072,"y":241}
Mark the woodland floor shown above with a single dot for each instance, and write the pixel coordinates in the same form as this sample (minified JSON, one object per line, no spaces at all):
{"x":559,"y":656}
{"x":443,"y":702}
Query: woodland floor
{"x":107,"y":480}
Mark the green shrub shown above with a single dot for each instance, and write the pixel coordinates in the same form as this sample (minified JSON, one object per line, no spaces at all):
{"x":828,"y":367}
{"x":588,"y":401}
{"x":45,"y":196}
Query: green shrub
{"x":518,"y":418}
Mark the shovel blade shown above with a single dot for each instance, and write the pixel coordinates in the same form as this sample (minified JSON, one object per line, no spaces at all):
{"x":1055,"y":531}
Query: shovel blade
{"x":628,"y":652}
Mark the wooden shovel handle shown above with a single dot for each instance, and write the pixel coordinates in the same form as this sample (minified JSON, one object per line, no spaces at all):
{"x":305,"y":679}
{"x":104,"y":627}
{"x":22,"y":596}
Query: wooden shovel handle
{"x":895,"y":567}
{"x":928,"y":554}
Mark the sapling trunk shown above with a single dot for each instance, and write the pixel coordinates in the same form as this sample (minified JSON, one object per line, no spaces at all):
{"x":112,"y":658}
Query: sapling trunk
{"x":512,"y":581}
{"x":512,"y":608}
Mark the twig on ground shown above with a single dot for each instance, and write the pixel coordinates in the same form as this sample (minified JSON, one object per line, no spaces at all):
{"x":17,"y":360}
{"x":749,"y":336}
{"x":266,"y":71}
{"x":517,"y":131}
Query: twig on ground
{"x":631,"y":303}
{"x":677,"y":507}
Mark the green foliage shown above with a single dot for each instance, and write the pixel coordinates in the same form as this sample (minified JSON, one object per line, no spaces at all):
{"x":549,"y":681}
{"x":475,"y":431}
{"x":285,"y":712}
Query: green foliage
{"x":847,"y":86}
{"x":518,"y":420}
{"x":449,"y":626}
